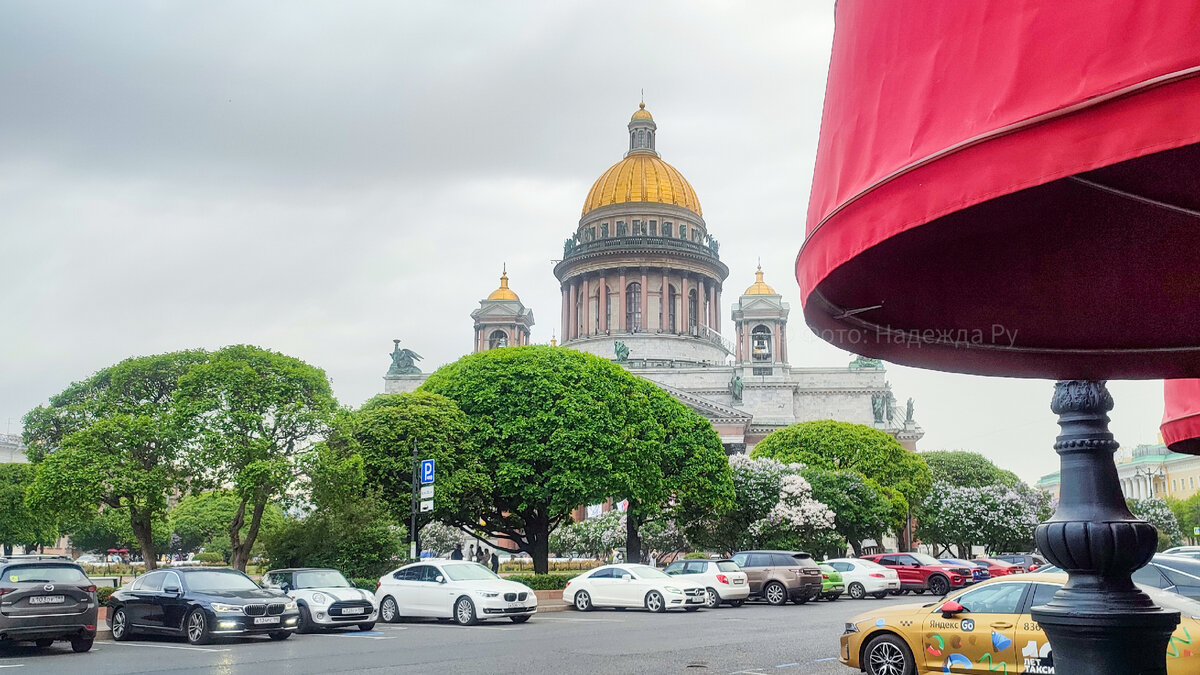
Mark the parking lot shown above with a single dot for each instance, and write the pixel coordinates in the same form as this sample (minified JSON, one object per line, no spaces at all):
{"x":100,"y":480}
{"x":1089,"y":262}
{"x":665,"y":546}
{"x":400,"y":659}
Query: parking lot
{"x":755,"y":638}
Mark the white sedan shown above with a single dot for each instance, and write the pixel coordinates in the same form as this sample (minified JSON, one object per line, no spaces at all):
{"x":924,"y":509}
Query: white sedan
{"x":723,"y":580}
{"x":633,"y":586}
{"x":452,"y":589}
{"x":865,"y":577}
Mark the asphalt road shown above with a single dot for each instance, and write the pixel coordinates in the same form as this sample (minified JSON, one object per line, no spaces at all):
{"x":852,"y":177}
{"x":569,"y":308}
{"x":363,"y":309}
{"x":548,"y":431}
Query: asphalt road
{"x":755,"y":638}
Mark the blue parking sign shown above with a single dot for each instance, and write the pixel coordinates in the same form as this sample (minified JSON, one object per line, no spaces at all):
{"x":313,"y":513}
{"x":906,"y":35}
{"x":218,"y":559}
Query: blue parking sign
{"x":426,"y":471}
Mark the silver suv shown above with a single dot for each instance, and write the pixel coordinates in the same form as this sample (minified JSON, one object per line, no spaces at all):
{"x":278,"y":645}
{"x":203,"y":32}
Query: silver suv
{"x":46,"y":598}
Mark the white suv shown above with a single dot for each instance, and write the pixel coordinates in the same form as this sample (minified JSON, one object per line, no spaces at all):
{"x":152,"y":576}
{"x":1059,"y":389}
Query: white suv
{"x":452,"y":589}
{"x":723,"y":580}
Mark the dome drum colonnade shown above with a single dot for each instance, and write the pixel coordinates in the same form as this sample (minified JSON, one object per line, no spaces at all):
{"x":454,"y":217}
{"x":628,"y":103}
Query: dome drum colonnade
{"x":641,"y":260}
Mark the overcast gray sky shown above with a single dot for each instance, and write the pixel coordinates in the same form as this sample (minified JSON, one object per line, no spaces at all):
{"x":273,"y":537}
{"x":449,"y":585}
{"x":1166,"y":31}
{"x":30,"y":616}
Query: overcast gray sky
{"x":319,"y":178}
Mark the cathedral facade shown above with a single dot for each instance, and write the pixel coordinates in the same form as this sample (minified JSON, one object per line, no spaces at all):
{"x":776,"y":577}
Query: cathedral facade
{"x":642,"y":280}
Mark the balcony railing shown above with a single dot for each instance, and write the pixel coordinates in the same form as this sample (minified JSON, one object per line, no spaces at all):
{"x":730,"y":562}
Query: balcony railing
{"x":573,"y":247}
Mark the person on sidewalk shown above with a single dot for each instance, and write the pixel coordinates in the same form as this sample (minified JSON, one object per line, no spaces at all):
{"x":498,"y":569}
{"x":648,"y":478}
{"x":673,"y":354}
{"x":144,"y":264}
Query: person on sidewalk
{"x":495,"y":563}
{"x":456,"y":554}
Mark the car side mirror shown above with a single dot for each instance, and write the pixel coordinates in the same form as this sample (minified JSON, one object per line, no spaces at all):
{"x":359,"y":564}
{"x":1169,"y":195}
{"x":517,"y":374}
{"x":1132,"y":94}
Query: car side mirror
{"x":285,"y":587}
{"x":627,"y":577}
{"x":171,"y":590}
{"x":950,"y":608}
{"x":440,"y":579}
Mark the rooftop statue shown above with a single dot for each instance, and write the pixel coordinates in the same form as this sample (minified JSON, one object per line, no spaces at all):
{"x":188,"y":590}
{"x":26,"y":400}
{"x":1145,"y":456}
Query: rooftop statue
{"x":908,"y":419}
{"x":736,"y":386}
{"x":862,"y":362}
{"x":622,"y":351}
{"x":878,"y":407}
{"x":402,"y":361}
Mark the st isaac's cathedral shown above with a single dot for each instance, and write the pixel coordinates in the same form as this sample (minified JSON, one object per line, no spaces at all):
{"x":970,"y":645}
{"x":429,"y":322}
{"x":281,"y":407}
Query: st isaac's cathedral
{"x":642,"y":281}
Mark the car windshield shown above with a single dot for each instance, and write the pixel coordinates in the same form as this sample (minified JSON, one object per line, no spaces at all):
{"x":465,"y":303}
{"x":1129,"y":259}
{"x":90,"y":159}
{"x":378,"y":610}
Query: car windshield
{"x":468,"y":572}
{"x":925,"y":559}
{"x":321,"y":579}
{"x":728,"y":566}
{"x":58,"y":574}
{"x":217,"y":581}
{"x":647,"y":572}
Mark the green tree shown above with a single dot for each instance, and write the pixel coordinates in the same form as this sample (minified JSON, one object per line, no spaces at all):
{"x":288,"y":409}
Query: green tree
{"x":358,"y":538}
{"x":1187,"y":514}
{"x":255,"y":413}
{"x":114,"y":439}
{"x":20,"y":525}
{"x":202,"y":520}
{"x":110,"y":529}
{"x":961,"y":468}
{"x":843,"y":446}
{"x":548,"y":425}
{"x":861,"y":507}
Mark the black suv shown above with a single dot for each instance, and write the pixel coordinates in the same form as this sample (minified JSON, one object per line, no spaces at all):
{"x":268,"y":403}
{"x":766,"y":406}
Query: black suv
{"x":44,"y":598}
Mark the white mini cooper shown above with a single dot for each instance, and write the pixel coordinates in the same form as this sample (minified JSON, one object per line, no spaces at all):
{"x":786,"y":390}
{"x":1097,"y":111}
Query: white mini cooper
{"x":325,"y":598}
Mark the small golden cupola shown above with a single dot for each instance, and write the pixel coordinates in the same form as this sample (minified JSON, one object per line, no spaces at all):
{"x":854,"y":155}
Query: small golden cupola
{"x":759,"y":287}
{"x":504,"y":292}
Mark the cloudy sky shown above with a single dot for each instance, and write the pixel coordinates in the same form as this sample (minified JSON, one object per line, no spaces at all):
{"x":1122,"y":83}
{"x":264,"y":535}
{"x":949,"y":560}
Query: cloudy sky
{"x":320,"y":178}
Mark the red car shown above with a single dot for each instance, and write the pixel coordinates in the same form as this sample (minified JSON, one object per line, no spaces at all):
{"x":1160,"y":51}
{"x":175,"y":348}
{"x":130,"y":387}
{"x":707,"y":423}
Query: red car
{"x":919,"y":572}
{"x":998,"y":568}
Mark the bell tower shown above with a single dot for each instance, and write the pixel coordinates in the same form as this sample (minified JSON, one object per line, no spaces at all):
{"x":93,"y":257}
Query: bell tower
{"x":502,"y":320}
{"x":760,"y":323}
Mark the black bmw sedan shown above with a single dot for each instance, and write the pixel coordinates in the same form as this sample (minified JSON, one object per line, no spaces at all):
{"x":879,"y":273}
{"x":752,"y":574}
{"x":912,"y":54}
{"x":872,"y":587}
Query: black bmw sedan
{"x":200,"y":603}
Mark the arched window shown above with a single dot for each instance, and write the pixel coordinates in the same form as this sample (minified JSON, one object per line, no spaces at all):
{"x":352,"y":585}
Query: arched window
{"x":692,"y":307}
{"x":633,"y":306}
{"x":760,"y":343}
{"x":498,"y":338}
{"x":672,"y":299}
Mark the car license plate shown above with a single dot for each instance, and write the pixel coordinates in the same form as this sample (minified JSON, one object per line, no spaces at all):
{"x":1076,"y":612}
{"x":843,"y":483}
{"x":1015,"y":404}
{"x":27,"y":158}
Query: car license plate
{"x":735,"y":581}
{"x":258,"y":620}
{"x":46,"y":599}
{"x":353,"y":610}
{"x":515,"y":605}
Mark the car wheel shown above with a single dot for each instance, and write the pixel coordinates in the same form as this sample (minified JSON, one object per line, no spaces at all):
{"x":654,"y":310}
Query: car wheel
{"x":775,"y":593}
{"x":43,"y":643}
{"x":737,"y":603}
{"x":366,"y":626}
{"x":119,"y":625}
{"x":888,"y":655}
{"x":857,"y":591}
{"x":583,"y":601}
{"x":713,"y":599}
{"x":281,"y":635}
{"x":519,"y":619}
{"x":388,"y":611}
{"x":937,"y":585}
{"x":197,"y":628}
{"x":801,"y":599}
{"x":691,"y":609}
{"x":883,"y":594}
{"x":897,"y":592}
{"x":79,"y":645}
{"x":464,"y":612}
{"x":655,"y":602}
{"x":834,"y":596}
{"x":919,"y":591}
{"x":305,"y":624}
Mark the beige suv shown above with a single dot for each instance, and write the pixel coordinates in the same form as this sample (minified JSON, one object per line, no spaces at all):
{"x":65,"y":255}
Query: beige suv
{"x":777,"y":576}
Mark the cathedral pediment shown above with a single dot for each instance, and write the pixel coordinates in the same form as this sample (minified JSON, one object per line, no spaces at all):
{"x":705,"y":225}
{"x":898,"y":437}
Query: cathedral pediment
{"x":708,"y":408}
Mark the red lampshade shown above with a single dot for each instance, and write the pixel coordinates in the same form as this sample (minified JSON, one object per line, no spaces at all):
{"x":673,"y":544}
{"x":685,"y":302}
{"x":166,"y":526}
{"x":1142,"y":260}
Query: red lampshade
{"x":1010,"y":187}
{"x":1181,"y":416}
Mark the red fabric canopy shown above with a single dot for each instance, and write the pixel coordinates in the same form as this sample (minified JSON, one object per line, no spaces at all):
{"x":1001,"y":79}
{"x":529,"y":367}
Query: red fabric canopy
{"x":1181,"y":416}
{"x":1010,"y":187}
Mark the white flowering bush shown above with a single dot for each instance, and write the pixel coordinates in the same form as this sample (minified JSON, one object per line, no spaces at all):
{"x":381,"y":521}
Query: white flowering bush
{"x":1156,"y":512}
{"x":998,"y":517}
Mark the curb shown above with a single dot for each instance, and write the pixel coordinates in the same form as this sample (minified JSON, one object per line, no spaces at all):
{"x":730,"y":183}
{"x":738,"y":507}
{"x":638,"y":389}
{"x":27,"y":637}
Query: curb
{"x":102,"y":631}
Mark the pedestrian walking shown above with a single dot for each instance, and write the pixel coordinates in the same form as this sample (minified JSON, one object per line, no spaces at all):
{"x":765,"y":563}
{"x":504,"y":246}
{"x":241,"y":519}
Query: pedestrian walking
{"x":495,"y":563}
{"x":456,"y":554}
{"x":471,"y":553}
{"x":483,"y":556}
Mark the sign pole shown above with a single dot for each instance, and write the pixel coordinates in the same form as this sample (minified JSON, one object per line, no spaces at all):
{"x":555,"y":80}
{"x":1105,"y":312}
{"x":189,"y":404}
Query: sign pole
{"x":412,"y":532}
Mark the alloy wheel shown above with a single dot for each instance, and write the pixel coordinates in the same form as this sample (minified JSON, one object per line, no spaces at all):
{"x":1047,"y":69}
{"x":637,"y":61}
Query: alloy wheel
{"x":776,"y":594}
{"x":388,"y":611}
{"x":583,"y":601}
{"x":654,"y":602}
{"x":196,"y":626}
{"x":713,"y":600}
{"x":886,"y":659}
{"x":464,"y":612}
{"x":857,"y":591}
{"x":118,"y":625}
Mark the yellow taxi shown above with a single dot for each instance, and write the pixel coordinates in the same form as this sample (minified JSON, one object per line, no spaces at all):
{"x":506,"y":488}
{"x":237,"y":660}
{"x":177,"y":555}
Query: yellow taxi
{"x":987,"y":628}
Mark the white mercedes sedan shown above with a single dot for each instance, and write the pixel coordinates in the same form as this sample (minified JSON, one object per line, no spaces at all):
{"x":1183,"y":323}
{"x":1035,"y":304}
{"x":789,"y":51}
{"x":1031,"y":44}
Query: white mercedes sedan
{"x":633,"y":586}
{"x":466,"y":592}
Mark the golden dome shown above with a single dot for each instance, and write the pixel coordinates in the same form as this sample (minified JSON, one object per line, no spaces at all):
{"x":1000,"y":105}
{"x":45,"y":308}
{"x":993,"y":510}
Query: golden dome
{"x":504,"y":292}
{"x":759,"y":287}
{"x":642,"y":177}
{"x":642,"y":113}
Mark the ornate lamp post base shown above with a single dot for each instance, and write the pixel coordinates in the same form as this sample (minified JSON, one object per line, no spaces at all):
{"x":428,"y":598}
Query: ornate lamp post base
{"x":1099,"y":622}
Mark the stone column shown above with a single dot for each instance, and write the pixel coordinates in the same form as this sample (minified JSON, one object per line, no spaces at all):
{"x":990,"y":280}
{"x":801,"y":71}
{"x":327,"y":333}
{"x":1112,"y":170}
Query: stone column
{"x":717,"y":308}
{"x":574,"y":310}
{"x":602,"y":303}
{"x":1098,"y":623}
{"x":645,"y":299}
{"x":566,"y":312}
{"x":587,"y":306}
{"x":684,"y":322}
{"x":776,"y":354}
{"x":664,"y":295}
{"x":783,"y":342}
{"x":621,"y":293}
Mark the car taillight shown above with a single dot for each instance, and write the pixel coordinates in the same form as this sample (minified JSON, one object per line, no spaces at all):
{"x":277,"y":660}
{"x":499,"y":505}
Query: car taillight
{"x":796,"y":571}
{"x":568,"y":583}
{"x":1033,"y":567}
{"x":378,"y":584}
{"x":722,"y":578}
{"x":877,"y":575}
{"x":89,"y":589}
{"x":6,"y":590}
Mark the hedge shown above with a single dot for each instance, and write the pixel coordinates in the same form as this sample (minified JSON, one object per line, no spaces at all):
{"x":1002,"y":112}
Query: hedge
{"x":210,"y":557}
{"x":365,"y":583}
{"x":542,"y":582}
{"x":103,"y":593}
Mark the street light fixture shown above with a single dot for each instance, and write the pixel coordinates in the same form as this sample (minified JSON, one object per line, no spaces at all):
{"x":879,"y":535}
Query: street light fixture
{"x":1150,"y":474}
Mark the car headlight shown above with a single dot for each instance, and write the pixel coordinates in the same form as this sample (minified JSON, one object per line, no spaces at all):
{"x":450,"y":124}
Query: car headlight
{"x":672,"y":589}
{"x":289,"y":606}
{"x":222,"y":608}
{"x":851,"y":627}
{"x":319,"y":598}
{"x":488,"y":594}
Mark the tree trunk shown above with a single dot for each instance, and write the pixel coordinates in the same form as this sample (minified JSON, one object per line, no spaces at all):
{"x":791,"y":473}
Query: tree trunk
{"x":241,"y":549}
{"x":142,"y":531}
{"x":857,"y":546}
{"x":8,"y":549}
{"x":633,"y":539}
